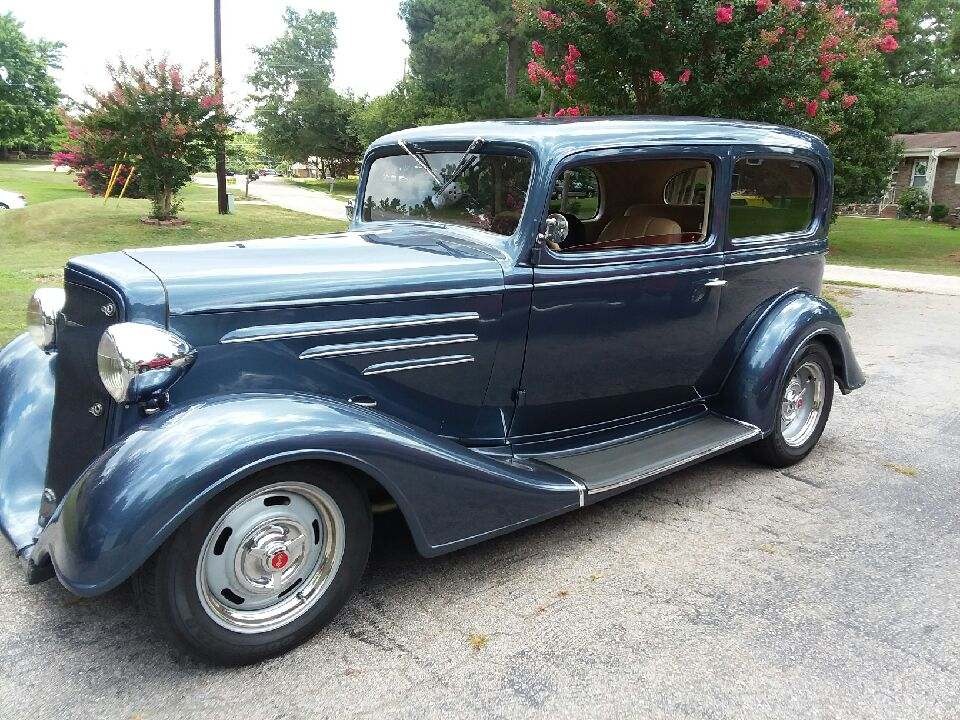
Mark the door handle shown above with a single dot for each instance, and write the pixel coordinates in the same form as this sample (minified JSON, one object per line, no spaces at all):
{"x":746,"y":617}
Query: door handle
{"x":716,"y":282}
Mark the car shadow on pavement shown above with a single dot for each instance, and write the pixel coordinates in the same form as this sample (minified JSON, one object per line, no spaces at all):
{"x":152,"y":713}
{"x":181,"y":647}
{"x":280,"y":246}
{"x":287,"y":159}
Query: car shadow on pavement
{"x":112,"y":628}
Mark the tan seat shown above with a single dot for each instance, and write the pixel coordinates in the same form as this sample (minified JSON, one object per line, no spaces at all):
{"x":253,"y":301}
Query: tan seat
{"x":635,"y":223}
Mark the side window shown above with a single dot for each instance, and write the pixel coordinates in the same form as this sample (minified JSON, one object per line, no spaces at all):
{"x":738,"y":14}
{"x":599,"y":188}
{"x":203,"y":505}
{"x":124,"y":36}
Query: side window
{"x":577,"y":192}
{"x":642,"y":203}
{"x":771,"y":196}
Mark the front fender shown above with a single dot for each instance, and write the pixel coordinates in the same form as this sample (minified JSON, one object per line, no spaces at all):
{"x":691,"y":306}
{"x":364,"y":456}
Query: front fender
{"x":26,"y":410}
{"x":138,"y":493}
{"x":751,"y":392}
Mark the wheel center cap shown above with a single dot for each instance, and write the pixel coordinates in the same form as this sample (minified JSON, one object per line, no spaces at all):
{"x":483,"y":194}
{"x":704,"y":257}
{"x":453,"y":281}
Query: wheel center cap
{"x":279,"y":560}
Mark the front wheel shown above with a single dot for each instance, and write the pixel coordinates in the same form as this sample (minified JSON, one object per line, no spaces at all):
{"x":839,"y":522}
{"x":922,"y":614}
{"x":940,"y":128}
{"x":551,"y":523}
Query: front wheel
{"x":262,"y":567}
{"x":806,"y":397}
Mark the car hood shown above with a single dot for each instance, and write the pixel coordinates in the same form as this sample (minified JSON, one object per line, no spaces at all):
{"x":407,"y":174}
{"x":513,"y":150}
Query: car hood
{"x":341,"y":267}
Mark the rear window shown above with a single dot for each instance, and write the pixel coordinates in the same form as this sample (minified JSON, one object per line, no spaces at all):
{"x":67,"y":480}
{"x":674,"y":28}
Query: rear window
{"x":771,"y":196}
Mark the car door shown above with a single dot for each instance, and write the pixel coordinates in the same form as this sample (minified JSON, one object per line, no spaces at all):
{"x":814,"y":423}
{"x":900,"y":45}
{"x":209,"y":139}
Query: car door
{"x":617,"y":333}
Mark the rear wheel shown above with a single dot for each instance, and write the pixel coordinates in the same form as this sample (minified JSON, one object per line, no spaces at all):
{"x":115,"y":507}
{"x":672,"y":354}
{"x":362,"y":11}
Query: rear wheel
{"x":806,"y":397}
{"x":262,"y":567}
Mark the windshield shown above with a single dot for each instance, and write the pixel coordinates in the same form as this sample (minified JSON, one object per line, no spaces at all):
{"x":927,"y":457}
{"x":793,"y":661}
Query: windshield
{"x":488,"y":193}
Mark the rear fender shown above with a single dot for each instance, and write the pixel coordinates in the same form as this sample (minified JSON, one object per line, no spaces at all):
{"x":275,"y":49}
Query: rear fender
{"x":751,"y":392}
{"x":142,"y":489}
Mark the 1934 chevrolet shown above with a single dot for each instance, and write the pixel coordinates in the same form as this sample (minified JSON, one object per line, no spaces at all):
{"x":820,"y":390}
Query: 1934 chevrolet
{"x":523,"y":318}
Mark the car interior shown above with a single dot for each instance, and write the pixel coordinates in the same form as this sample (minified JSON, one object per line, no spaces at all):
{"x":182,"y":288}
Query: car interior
{"x":640,"y":203}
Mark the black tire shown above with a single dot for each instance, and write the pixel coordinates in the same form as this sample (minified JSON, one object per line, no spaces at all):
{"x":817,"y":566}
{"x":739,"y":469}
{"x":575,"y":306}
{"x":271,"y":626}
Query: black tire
{"x":773,"y":450}
{"x":166,"y":587}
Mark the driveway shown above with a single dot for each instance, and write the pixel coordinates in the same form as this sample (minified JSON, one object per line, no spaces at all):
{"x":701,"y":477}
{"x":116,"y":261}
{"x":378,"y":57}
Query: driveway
{"x":277,"y":191}
{"x":827,"y":590}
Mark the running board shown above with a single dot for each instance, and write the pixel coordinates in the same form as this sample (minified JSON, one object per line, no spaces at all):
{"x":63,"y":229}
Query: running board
{"x":615,"y":467}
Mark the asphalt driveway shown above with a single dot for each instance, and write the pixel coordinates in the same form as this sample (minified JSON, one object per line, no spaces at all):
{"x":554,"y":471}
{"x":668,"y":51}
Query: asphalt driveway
{"x":829,"y":590}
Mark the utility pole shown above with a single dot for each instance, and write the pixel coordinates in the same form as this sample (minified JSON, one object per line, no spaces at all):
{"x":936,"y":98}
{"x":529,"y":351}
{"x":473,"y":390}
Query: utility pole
{"x":222,"y":204}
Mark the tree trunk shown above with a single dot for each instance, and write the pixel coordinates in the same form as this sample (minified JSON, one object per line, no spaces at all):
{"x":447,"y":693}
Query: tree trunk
{"x":514,"y":48}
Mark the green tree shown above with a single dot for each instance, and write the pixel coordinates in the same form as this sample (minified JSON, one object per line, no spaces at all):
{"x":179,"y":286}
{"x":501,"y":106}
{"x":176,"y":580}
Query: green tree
{"x":159,"y":121}
{"x":244,"y":152}
{"x":28,"y":93}
{"x":299,"y":115}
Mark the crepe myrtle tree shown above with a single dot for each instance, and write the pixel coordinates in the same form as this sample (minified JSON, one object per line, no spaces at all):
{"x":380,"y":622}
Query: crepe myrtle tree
{"x":787,"y":61}
{"x":160,"y":120}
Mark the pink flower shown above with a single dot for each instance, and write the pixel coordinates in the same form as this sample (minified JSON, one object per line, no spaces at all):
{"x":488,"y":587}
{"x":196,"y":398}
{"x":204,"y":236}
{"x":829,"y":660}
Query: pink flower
{"x":684,"y":77}
{"x":891,"y":24}
{"x":848,"y":101}
{"x":573,"y":54}
{"x":176,"y":81}
{"x":791,"y":5}
{"x":829,"y":42}
{"x":574,"y":111}
{"x":812,"y":107}
{"x":788,"y":103}
{"x":645,"y":7}
{"x":724,"y":14}
{"x":763,"y":62}
{"x":801,"y":33}
{"x":571,"y":79}
{"x":657,"y":77}
{"x":826,"y":74}
{"x":209,"y":101}
{"x":612,"y":17}
{"x":764,"y":5}
{"x":887,"y":44}
{"x":537,"y":49}
{"x":550,"y":20}
{"x":824,"y":94}
{"x":889,"y":7}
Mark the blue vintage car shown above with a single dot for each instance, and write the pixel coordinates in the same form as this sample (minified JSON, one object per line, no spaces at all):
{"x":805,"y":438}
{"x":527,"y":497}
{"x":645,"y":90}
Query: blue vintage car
{"x":524,"y":318}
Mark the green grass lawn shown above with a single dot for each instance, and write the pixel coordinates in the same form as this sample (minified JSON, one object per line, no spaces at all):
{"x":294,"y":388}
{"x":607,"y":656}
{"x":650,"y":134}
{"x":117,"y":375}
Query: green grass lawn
{"x":62,"y":221}
{"x":895,"y":245}
{"x":343,"y":189}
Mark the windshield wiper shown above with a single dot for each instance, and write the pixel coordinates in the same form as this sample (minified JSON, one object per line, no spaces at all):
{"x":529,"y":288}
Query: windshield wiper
{"x":421,"y":161}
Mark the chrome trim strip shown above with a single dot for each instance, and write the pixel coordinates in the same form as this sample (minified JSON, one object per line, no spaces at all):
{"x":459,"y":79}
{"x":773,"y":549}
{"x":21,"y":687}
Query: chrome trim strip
{"x":640,"y":276}
{"x":343,"y":299}
{"x":402,"y":365}
{"x":337,"y":327}
{"x":582,"y":489}
{"x":378,"y":346}
{"x":754,"y":432}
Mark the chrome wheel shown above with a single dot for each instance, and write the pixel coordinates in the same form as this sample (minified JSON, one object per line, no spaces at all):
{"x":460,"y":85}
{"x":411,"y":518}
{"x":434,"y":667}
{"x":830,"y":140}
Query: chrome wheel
{"x":270,"y":557}
{"x":802,"y":404}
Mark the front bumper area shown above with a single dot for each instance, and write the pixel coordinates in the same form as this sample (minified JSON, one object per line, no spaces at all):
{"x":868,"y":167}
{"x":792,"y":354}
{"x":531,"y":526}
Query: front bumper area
{"x":26,"y":410}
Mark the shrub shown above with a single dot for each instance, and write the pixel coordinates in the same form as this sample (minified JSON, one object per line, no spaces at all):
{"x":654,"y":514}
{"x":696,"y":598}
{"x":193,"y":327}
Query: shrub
{"x":914,"y":203}
{"x":92,"y":171}
{"x":161,"y":121}
{"x":938,"y":212}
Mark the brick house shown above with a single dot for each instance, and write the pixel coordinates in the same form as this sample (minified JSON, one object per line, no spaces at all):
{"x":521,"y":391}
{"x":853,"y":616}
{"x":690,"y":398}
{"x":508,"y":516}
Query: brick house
{"x":930,"y":161}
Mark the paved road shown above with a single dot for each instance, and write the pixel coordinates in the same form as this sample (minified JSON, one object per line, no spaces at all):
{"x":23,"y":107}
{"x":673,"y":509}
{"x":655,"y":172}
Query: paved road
{"x":277,"y":191}
{"x":895,"y":279}
{"x":828,"y":590}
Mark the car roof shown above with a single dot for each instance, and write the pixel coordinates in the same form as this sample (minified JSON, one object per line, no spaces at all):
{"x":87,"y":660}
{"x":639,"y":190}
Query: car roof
{"x":557,"y":136}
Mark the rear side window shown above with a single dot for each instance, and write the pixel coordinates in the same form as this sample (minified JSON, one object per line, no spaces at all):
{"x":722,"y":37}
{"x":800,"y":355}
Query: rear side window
{"x":771,"y":196}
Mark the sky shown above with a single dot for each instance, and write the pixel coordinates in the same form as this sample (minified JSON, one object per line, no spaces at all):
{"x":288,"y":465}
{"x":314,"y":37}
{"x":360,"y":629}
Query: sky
{"x":371,"y":49}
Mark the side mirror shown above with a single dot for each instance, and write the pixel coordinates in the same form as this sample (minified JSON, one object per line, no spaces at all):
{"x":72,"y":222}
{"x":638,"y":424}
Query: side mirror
{"x":556,"y":228}
{"x":351,"y":208}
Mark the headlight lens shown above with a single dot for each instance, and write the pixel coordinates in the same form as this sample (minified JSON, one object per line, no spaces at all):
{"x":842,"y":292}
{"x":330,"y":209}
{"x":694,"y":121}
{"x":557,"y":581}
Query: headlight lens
{"x":138,"y":361}
{"x":42,"y":312}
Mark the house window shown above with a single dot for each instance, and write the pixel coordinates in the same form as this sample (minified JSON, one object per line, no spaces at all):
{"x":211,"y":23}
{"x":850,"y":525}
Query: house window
{"x":919,"y":177}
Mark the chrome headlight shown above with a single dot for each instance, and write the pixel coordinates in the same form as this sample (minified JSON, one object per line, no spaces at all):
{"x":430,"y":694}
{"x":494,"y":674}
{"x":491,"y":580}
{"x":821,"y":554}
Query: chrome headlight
{"x":137,"y":361}
{"x":42,"y":312}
